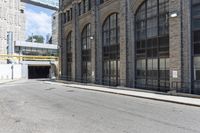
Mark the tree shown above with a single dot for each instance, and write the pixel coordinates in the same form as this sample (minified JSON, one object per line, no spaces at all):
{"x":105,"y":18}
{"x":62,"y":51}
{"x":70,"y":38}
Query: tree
{"x":36,"y":38}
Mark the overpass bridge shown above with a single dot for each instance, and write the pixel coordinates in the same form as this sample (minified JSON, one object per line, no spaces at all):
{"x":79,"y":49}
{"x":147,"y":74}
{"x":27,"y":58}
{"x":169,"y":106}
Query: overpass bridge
{"x":49,"y":4}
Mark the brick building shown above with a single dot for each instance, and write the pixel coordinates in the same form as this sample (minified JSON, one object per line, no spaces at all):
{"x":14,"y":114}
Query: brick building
{"x":148,"y":44}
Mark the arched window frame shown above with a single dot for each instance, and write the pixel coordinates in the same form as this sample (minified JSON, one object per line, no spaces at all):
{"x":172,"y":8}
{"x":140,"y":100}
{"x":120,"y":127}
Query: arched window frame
{"x":86,"y":53}
{"x":69,"y":55}
{"x":152,"y":45}
{"x":111,"y":50}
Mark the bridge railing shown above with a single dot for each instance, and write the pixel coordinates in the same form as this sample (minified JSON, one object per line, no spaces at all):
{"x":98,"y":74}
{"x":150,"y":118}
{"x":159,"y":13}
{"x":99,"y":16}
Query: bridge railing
{"x":50,"y":4}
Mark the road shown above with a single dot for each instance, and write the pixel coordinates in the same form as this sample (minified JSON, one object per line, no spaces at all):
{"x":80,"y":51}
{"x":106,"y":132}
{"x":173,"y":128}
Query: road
{"x":37,"y":107}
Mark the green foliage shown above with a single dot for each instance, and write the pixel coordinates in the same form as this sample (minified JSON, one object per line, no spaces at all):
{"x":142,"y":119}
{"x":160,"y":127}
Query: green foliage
{"x":36,"y":38}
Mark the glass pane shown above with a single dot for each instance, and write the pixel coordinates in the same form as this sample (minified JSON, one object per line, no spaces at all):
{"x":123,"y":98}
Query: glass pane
{"x":196,"y":62}
{"x":195,"y":2}
{"x":110,"y":49}
{"x":154,"y":46}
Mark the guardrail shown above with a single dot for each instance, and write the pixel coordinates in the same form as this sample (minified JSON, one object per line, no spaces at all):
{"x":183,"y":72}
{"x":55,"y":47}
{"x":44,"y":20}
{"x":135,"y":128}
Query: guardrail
{"x":50,"y":4}
{"x":28,"y":58}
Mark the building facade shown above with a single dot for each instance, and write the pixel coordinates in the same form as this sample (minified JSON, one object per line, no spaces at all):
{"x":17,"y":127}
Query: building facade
{"x":55,"y":28}
{"x":12,"y":19}
{"x":148,"y":44}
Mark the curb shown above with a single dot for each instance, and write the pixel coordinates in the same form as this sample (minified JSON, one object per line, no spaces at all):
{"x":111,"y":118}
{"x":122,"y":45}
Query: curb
{"x":157,"y":99}
{"x":134,"y":93}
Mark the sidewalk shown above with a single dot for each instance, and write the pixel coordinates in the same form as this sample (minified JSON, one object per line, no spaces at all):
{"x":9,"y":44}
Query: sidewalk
{"x":5,"y":81}
{"x":134,"y":93}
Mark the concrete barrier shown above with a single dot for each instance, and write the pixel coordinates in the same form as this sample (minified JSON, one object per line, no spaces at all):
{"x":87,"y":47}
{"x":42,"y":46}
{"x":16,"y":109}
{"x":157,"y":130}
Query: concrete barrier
{"x":10,"y":71}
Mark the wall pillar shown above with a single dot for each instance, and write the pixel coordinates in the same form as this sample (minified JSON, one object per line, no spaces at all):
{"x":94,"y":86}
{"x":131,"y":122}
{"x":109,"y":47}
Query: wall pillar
{"x":130,"y":46}
{"x":175,"y":42}
{"x":76,"y":67}
{"x":99,"y":58}
{"x":123,"y":41}
{"x":93,"y":41}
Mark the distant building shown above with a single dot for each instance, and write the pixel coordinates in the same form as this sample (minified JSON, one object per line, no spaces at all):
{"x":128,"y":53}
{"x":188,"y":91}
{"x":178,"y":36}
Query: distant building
{"x":12,"y":20}
{"x":55,"y":29}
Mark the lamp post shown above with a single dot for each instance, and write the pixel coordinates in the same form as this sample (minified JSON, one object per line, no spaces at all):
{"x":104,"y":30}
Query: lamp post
{"x":12,"y":71}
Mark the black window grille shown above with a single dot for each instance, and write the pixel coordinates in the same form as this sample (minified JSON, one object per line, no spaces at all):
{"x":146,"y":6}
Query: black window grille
{"x":152,"y":45}
{"x":86,"y":54}
{"x":69,"y":56}
{"x":111,"y":54}
{"x":196,"y":45}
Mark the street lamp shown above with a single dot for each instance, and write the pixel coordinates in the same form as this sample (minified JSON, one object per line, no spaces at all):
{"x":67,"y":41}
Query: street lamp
{"x":173,"y":14}
{"x":91,"y":38}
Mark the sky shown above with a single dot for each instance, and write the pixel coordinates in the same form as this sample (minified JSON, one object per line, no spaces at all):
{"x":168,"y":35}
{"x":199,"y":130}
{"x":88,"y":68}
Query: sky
{"x":38,"y":20}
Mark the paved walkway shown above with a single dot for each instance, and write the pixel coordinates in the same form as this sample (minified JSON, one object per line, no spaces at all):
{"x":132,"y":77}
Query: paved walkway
{"x":134,"y":93}
{"x":5,"y":81}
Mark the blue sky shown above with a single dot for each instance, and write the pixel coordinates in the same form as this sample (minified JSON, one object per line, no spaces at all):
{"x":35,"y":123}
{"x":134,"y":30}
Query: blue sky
{"x":38,"y":20}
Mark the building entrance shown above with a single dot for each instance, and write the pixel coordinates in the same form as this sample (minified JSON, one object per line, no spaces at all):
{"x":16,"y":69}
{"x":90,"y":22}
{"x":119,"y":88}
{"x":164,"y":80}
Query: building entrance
{"x":36,"y":72}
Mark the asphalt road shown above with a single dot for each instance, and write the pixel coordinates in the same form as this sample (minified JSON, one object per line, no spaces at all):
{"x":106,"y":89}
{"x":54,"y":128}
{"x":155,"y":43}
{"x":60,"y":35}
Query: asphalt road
{"x":36,"y":107}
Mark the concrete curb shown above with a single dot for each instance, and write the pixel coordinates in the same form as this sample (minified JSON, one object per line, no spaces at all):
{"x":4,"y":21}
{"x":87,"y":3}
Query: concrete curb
{"x":134,"y":93}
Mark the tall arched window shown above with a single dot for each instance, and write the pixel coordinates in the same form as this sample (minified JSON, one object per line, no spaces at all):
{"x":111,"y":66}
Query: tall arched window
{"x":69,"y":56}
{"x":86,"y":54}
{"x":152,"y":45}
{"x":111,"y":54}
{"x":196,"y":44}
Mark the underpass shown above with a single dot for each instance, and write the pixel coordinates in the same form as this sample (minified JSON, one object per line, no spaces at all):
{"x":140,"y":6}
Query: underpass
{"x":37,"y":72}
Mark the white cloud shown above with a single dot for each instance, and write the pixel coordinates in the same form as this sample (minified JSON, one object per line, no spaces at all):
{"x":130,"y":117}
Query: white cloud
{"x":38,"y":23}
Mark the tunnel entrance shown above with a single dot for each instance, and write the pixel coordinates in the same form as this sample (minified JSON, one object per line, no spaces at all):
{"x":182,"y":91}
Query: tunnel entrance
{"x":36,"y":72}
